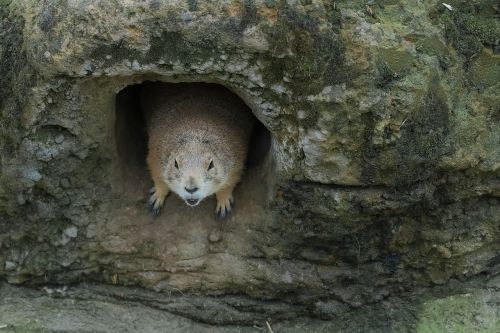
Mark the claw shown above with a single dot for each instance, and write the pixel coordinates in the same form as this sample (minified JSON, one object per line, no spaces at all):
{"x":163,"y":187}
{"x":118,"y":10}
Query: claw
{"x":223,"y":209}
{"x":221,"y":214}
{"x":155,"y":202}
{"x":155,"y":211}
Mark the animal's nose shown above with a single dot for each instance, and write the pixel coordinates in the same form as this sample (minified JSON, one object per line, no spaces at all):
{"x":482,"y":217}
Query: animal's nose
{"x":191,"y":190}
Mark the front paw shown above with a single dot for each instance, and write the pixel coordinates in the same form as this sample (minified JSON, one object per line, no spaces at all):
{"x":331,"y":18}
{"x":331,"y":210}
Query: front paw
{"x":156,"y":200}
{"x":224,"y":206}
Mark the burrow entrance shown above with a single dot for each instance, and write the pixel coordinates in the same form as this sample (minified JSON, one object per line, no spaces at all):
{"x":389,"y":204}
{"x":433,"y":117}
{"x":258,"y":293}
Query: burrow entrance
{"x":131,"y":139}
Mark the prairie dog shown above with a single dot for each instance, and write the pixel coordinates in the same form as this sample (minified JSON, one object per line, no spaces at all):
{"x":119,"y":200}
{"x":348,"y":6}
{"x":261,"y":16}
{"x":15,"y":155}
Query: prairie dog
{"x":198,"y":138}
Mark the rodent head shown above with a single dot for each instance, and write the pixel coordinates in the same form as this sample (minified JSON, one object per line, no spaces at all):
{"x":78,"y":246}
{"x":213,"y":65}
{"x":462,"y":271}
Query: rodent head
{"x":194,"y":174}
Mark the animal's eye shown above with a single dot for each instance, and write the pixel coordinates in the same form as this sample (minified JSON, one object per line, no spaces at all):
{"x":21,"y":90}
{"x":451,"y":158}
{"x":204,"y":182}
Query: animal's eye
{"x":176,"y":165}
{"x":211,"y":165}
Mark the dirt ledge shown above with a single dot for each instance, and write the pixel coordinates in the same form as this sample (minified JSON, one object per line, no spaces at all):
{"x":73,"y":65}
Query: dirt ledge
{"x":472,"y":306}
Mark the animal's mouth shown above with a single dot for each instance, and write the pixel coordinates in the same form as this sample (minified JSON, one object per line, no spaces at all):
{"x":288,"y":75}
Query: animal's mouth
{"x":192,"y":202}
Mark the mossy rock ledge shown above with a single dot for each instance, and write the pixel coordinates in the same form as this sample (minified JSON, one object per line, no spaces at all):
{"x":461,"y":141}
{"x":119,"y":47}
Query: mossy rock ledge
{"x":381,"y":182}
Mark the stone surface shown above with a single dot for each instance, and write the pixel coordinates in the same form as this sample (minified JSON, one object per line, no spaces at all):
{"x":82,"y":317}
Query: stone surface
{"x":383,"y":175}
{"x":459,"y":307}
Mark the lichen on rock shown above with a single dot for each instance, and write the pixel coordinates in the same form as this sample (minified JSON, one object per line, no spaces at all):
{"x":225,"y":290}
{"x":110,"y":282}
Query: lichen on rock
{"x":382,"y":176}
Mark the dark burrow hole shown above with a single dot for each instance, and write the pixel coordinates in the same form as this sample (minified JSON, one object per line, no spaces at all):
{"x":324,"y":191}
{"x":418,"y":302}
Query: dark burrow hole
{"x":131,"y":139}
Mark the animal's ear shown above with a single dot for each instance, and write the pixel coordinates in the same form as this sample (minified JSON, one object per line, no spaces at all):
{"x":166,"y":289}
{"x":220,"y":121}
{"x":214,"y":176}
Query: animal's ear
{"x":211,"y":165}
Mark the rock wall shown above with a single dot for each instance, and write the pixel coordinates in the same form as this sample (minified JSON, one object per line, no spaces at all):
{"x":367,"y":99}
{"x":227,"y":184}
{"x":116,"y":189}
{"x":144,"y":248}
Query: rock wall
{"x":383,"y":172}
{"x":473,"y":306}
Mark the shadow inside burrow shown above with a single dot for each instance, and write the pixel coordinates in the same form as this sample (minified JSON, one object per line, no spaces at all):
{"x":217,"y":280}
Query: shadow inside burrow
{"x":134,"y":180}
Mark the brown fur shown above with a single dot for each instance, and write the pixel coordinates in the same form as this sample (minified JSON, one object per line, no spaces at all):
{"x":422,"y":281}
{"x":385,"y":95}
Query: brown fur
{"x":205,"y":119}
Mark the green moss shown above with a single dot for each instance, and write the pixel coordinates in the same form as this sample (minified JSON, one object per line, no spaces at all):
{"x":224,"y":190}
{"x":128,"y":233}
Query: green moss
{"x":459,"y":314}
{"x":433,"y":46}
{"x":468,"y":45}
{"x":470,"y":26}
{"x":487,"y":30}
{"x":485,"y":70}
{"x":192,"y":5}
{"x":175,"y":47}
{"x":118,"y":52}
{"x":393,"y":64}
{"x":384,"y":3}
{"x":250,"y":17}
{"x":4,"y":4}
{"x":399,"y":62}
{"x":424,"y":137}
{"x":313,"y":56}
{"x":15,"y":82}
{"x":171,"y":46}
{"x":334,"y":16}
{"x":12,"y":57}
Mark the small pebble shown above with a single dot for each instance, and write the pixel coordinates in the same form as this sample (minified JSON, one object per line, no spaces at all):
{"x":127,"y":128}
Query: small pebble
{"x":71,"y":232}
{"x":10,"y":265}
{"x":81,"y":154}
{"x":215,"y":236}
{"x":59,"y":138}
{"x":87,"y":67}
{"x":32,"y":174}
{"x":65,"y":182}
{"x":20,"y":199}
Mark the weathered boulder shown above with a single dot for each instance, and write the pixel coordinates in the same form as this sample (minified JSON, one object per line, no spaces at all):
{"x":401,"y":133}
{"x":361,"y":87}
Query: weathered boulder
{"x":383,"y":172}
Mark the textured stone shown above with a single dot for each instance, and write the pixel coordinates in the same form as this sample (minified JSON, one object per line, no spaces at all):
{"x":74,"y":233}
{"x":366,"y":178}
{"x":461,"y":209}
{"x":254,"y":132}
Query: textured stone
{"x":383,"y":173}
{"x":460,"y":307}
